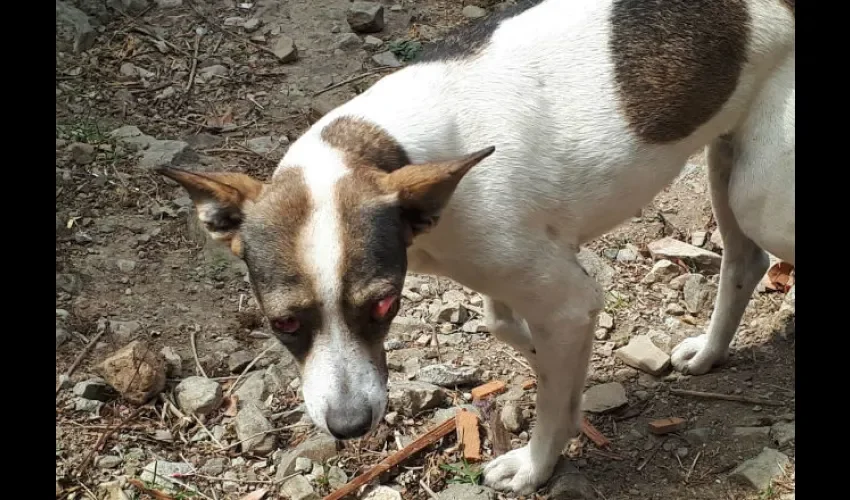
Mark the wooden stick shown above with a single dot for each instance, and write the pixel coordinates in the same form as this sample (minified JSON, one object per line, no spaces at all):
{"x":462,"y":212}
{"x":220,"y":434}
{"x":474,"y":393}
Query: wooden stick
{"x":725,"y":397}
{"x":82,"y":355}
{"x":593,"y":434}
{"x":195,"y":353}
{"x":351,"y":80}
{"x":102,"y":440}
{"x":396,"y":458}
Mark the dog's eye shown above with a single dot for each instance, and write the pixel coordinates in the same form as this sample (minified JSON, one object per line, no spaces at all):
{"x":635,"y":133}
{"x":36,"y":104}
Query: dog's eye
{"x":288,"y":324}
{"x":384,"y":307}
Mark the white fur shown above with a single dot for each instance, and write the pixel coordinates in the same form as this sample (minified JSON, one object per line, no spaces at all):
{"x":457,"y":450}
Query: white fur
{"x":336,"y":360}
{"x":566,"y":163}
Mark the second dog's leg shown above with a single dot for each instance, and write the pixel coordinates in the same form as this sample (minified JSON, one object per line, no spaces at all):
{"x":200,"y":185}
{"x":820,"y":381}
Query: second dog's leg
{"x":561,"y":319}
{"x":506,"y":326}
{"x":743,"y":265}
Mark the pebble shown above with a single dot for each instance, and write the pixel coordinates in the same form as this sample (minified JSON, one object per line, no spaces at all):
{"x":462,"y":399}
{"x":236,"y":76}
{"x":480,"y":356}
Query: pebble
{"x":662,"y":272}
{"x":602,"y":398}
{"x":783,"y":433}
{"x":96,"y":389}
{"x":318,"y":448}
{"x":284,"y":49}
{"x":628,"y":254}
{"x":698,"y":238}
{"x":159,"y":472}
{"x":372,"y":42}
{"x":87,"y":405}
{"x":251,"y":25}
{"x":348,"y":41}
{"x":512,"y":418}
{"x":336,"y":477}
{"x":198,"y":395}
{"x":303,"y":465}
{"x":81,"y":153}
{"x":596,"y":267}
{"x":450,"y":376}
{"x":672,"y":249}
{"x":642,"y":354}
{"x":163,"y":435}
{"x":125,"y":331}
{"x":382,"y":493}
{"x":249,"y":423}
{"x":136,"y":371}
{"x":251,"y":389}
{"x":365,"y":17}
{"x":760,"y":471}
{"x":239,"y":360}
{"x":473,"y":12}
{"x":674,"y":309}
{"x":214,"y":466}
{"x":605,"y":320}
{"x":109,"y":462}
{"x":262,"y":145}
{"x":568,"y":483}
{"x":126,"y":265}
{"x":716,"y":240}
{"x":411,"y":397}
{"x":173,"y":362}
{"x":386,"y":58}
{"x":695,"y":292}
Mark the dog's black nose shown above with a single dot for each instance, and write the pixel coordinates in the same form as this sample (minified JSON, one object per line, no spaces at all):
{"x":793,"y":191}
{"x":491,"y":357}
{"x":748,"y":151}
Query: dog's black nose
{"x":348,"y":423}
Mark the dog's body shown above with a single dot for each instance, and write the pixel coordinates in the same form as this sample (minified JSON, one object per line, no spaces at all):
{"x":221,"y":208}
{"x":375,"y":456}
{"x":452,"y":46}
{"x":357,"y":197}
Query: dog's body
{"x":593,"y":106}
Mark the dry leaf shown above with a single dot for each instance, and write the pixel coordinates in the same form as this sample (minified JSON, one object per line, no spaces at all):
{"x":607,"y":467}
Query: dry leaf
{"x":231,"y":405}
{"x":779,"y":277}
{"x":255,"y":495}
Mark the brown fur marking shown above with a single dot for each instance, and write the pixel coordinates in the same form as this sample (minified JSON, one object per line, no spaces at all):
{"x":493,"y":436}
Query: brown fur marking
{"x":365,"y":144}
{"x":676,"y":62}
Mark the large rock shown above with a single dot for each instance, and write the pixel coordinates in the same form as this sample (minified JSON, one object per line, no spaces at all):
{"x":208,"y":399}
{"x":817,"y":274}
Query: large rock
{"x":254,"y":430}
{"x":410,"y":398}
{"x":602,"y":398}
{"x":450,"y":376}
{"x":318,"y":447}
{"x":365,"y":17}
{"x":669,"y":248}
{"x":642,"y":354}
{"x":760,"y":471}
{"x":198,"y":395}
{"x":74,"y":24}
{"x":136,"y":371}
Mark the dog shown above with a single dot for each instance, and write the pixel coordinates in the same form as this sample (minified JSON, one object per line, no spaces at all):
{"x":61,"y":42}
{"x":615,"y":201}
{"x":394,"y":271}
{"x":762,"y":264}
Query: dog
{"x":490,"y":160}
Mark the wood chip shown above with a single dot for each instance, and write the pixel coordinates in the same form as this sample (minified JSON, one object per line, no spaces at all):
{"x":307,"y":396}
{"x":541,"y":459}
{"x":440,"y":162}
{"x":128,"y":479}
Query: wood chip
{"x":666,"y":425}
{"x":593,"y":434}
{"x":468,"y":435}
{"x":396,"y":458}
{"x":488,"y":389}
{"x":529,"y":384}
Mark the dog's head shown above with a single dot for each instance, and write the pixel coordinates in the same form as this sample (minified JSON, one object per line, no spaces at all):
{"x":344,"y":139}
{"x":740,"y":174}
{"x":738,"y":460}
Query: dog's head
{"x":325,"y":245}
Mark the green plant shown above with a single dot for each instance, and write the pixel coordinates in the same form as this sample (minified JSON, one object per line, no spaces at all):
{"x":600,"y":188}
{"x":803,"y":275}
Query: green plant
{"x":405,"y":50}
{"x":462,"y":473}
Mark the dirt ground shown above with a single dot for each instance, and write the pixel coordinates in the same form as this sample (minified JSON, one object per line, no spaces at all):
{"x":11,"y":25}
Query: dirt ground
{"x":203,"y":81}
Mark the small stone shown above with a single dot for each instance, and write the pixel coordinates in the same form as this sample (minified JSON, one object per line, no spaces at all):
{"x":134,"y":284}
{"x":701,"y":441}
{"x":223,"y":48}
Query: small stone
{"x":662,"y":272}
{"x":642,"y":354}
{"x":698,"y":436}
{"x":252,"y":389}
{"x":411,"y":397}
{"x":672,"y":249}
{"x":125,"y":331}
{"x":173,"y":362}
{"x":716,"y":240}
{"x":604,"y":397}
{"x":284,"y":49}
{"x":262,"y":145}
{"x":251,"y":25}
{"x":198,"y":395}
{"x":383,"y":493}
{"x":70,"y":19}
{"x":62,"y":336}
{"x":160,"y":472}
{"x":166,"y":153}
{"x":512,"y":418}
{"x":450,"y":376}
{"x":698,"y":238}
{"x":109,"y":462}
{"x":628,"y":254}
{"x":601,"y":334}
{"x":214,"y":466}
{"x":386,"y":58}
{"x":682,"y":452}
{"x":391,"y":418}
{"x":81,"y":153}
{"x":87,"y":405}
{"x":473,"y":12}
{"x":596,"y":267}
{"x":372,"y":42}
{"x":605,"y":321}
{"x":696,"y":293}
{"x":169,"y":4}
{"x":568,"y":483}
{"x":209,"y":72}
{"x":95,"y":388}
{"x":136,"y":371}
{"x":69,"y":283}
{"x":303,"y":465}
{"x":348,"y":41}
{"x":125,"y":265}
{"x":163,"y":435}
{"x":365,"y":17}
{"x":249,"y":423}
{"x":760,"y":471}
{"x":674,"y":309}
{"x":336,"y":477}
{"x":783,"y":433}
{"x":239,"y":360}
{"x":318,"y":448}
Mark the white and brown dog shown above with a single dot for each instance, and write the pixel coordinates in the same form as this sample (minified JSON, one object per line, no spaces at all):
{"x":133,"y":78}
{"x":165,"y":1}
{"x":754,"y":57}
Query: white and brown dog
{"x":576,"y":113}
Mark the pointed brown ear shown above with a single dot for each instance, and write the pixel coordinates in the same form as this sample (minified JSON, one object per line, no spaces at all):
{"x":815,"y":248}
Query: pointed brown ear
{"x":424,"y":190}
{"x":219,"y":200}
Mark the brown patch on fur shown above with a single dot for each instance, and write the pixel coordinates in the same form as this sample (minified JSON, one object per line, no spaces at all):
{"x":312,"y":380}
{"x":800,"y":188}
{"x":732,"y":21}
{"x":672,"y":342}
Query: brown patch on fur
{"x":791,"y":6}
{"x":676,"y":62}
{"x":365,"y":144}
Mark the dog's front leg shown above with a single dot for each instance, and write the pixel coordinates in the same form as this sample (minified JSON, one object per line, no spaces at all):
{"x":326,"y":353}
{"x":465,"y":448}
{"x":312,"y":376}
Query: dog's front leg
{"x":562,"y":334}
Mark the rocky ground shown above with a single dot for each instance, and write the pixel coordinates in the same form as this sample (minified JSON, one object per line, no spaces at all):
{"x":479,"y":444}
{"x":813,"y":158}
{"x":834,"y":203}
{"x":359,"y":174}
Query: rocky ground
{"x":227,"y":85}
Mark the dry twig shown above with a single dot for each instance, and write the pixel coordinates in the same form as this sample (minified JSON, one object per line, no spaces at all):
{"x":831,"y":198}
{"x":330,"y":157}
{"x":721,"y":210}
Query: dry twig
{"x":725,"y":397}
{"x":83,"y":354}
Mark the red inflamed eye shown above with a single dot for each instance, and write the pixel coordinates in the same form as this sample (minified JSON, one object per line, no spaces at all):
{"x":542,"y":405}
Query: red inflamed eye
{"x":286,"y":325}
{"x":383,"y":307}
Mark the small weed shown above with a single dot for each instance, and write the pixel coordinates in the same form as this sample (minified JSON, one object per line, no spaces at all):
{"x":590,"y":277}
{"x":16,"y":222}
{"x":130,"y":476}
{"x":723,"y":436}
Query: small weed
{"x":405,"y":50}
{"x":614,"y":301}
{"x":462,"y":473}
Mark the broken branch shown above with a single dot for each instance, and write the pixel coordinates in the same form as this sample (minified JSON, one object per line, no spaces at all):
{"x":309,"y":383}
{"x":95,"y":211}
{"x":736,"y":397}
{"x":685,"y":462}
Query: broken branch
{"x":725,"y":397}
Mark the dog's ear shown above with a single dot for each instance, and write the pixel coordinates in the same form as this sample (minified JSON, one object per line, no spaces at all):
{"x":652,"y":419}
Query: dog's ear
{"x":423,"y":190}
{"x":219,"y":199}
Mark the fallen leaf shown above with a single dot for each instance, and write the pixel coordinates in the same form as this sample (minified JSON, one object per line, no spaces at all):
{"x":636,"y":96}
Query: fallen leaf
{"x":255,"y":495}
{"x":779,"y":277}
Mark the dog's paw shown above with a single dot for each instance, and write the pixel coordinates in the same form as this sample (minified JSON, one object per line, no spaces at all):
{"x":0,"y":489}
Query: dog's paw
{"x":695,"y":356}
{"x":516,"y":472}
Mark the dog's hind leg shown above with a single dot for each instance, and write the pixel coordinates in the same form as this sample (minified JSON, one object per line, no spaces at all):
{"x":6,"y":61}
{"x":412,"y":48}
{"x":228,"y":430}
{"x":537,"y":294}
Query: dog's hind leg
{"x":560,"y":314}
{"x":751,"y":175}
{"x":506,"y":326}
